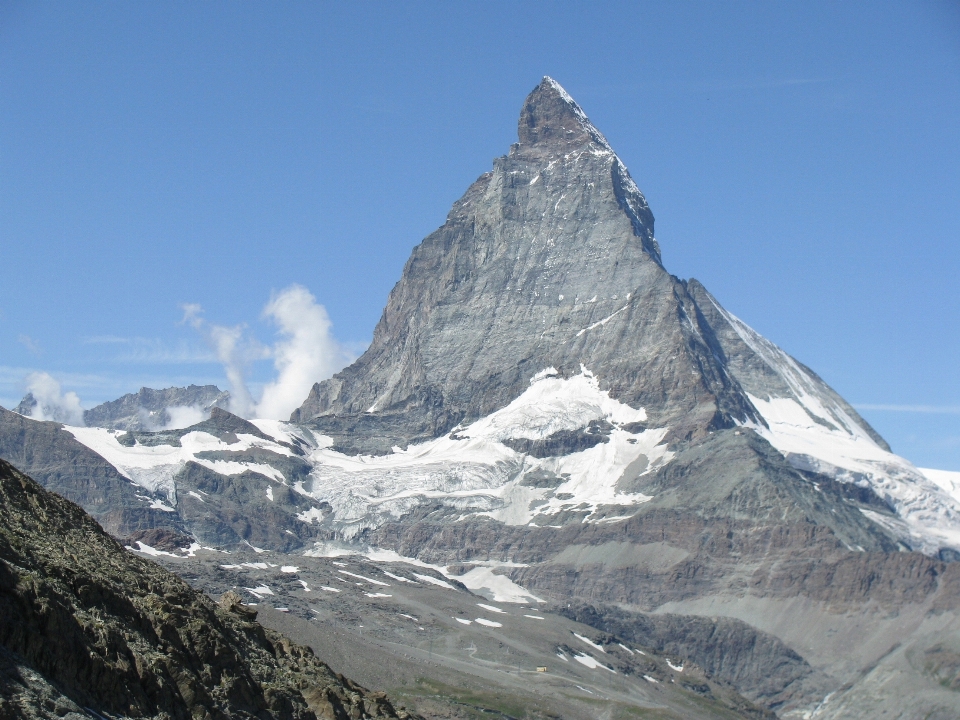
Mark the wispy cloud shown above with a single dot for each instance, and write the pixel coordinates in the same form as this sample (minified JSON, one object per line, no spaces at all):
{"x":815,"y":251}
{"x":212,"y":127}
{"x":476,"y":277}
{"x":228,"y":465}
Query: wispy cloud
{"x":30,"y":344}
{"x":937,"y":409}
{"x":234,"y":349}
{"x":305,"y":352}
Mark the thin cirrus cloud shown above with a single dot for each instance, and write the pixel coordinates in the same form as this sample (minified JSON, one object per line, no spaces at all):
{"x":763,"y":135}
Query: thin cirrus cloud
{"x":937,"y":409}
{"x":30,"y":344}
{"x":153,"y":351}
{"x":305,"y":352}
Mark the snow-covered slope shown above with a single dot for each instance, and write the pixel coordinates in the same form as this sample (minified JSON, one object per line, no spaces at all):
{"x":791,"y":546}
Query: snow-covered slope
{"x":819,"y":432}
{"x":474,"y":471}
{"x":153,"y":467}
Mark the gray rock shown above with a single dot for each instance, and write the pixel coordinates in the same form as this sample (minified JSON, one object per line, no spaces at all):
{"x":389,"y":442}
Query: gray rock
{"x":65,"y":466}
{"x":149,"y":409}
{"x":758,"y":664}
{"x":85,"y":625}
{"x":548,"y":260}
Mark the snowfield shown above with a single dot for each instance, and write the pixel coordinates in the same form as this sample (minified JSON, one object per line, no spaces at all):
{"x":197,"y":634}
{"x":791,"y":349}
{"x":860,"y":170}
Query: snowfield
{"x":475,"y":473}
{"x":814,"y":432}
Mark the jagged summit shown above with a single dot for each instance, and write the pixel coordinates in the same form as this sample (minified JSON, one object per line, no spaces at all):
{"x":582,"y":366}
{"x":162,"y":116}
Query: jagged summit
{"x":553,"y":120}
{"x":548,"y":261}
{"x":548,"y":265}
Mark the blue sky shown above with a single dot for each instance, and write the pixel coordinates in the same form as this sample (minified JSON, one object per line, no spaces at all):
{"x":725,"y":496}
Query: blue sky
{"x":802,"y":160}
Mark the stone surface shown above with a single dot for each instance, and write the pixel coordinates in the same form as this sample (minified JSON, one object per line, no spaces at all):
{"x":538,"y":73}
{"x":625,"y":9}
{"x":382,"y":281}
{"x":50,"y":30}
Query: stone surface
{"x":149,"y":409}
{"x":62,"y":464}
{"x":540,"y":255}
{"x":122,"y":636}
{"x":543,"y":402}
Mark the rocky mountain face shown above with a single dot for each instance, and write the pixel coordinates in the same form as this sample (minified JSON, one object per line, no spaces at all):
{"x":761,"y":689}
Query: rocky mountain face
{"x":87,"y":629}
{"x":151,"y":409}
{"x":547,"y":261}
{"x":66,"y":466}
{"x":146,"y":410}
{"x":171,"y":492}
{"x":546,"y":414}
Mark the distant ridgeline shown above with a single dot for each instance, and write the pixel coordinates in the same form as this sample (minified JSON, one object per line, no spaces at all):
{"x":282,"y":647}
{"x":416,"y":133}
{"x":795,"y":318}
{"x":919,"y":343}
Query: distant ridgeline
{"x":148,"y":409}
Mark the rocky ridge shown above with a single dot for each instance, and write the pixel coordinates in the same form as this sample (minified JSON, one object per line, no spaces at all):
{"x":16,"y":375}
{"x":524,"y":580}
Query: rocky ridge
{"x":87,"y":629}
{"x":145,"y":410}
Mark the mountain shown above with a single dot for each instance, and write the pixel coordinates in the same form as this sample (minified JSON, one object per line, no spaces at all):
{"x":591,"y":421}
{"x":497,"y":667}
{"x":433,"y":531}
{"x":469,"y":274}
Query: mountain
{"x":546,"y":414}
{"x":198,"y":486}
{"x":547,"y":272}
{"x":145,"y":410}
{"x":151,"y":409}
{"x":88,"y":629}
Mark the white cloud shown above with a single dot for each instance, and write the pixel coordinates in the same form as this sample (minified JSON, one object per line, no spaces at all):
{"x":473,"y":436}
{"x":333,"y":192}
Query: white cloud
{"x":181,"y":416}
{"x":234,"y":350}
{"x":306,"y":354}
{"x":52,"y":402}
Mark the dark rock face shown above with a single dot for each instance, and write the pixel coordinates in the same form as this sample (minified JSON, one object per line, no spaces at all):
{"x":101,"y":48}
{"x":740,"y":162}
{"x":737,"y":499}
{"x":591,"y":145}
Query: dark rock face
{"x":760,"y":665}
{"x":209,"y":507}
{"x":65,"y":466}
{"x":85,"y":624}
{"x":562,"y":442}
{"x":148,"y":409}
{"x":227,"y":510}
{"x":539,"y":254}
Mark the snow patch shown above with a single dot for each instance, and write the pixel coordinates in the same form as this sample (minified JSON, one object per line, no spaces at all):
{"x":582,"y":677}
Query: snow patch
{"x":592,"y":662}
{"x":946,"y":480}
{"x":487,"y":623}
{"x":260,"y":591}
{"x":498,"y":588}
{"x":363,"y":577}
{"x":399,"y":577}
{"x":434,"y":581}
{"x":491,"y":608}
{"x":308,"y":516}
{"x":589,"y":642}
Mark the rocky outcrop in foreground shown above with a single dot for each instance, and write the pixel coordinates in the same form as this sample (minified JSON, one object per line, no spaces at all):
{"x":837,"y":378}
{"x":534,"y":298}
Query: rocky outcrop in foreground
{"x":87,"y":629}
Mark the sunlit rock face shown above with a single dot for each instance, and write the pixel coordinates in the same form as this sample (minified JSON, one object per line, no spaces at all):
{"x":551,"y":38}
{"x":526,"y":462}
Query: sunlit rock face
{"x":549,"y":260}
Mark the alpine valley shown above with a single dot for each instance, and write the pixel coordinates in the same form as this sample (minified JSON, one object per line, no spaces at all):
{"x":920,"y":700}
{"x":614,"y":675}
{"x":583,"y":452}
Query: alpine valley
{"x":560,"y":482}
